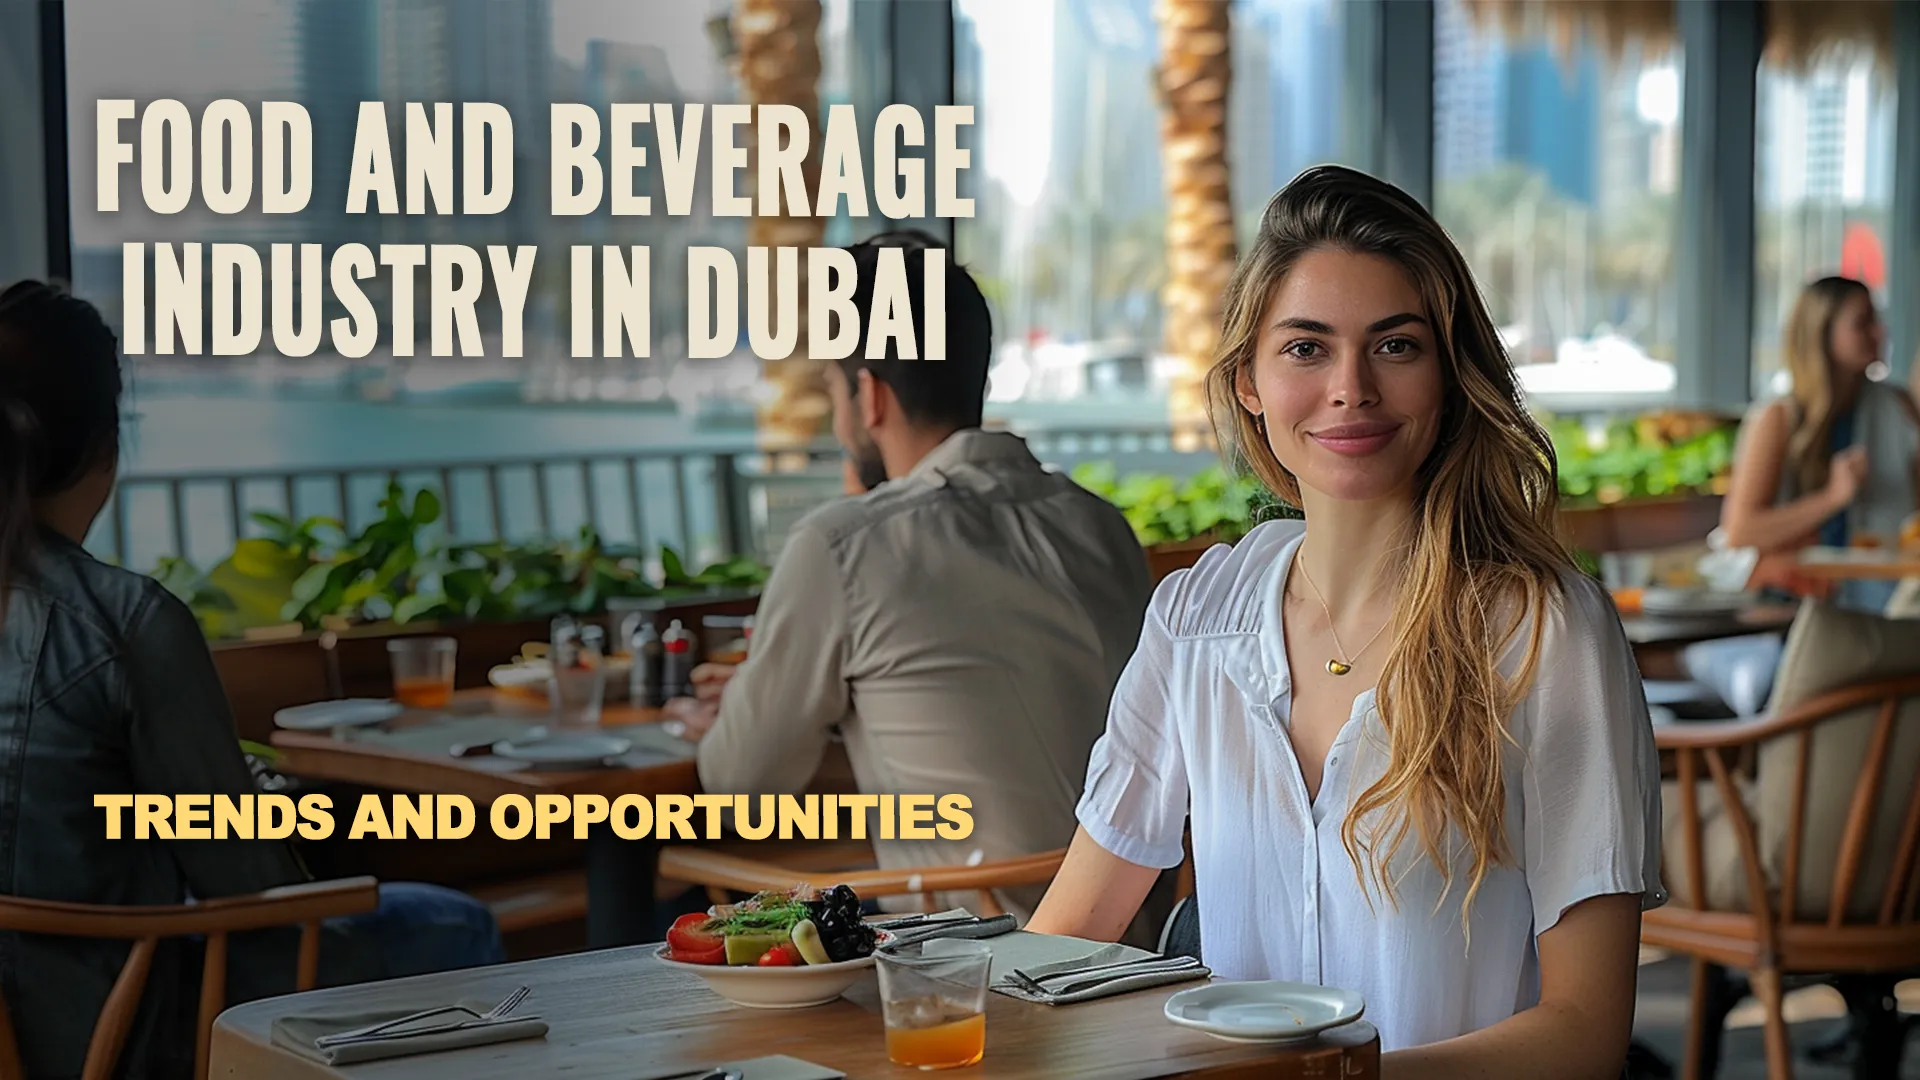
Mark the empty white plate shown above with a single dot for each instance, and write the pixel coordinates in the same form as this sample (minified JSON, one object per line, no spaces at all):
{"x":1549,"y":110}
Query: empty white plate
{"x":564,"y":749}
{"x":349,"y":712}
{"x":1264,"y":1011}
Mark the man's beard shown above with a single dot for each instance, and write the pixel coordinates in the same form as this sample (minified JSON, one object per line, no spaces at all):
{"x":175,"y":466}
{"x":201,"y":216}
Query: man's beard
{"x":868,"y":466}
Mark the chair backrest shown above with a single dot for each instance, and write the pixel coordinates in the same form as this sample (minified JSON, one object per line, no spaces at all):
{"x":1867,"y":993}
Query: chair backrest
{"x":720,"y":871}
{"x":1836,"y":805}
{"x":303,"y":905}
{"x":1182,"y":935}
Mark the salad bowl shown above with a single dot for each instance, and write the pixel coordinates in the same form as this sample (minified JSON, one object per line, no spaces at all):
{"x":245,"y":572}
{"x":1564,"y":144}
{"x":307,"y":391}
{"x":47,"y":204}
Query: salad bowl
{"x":775,"y":987}
{"x":779,"y":950}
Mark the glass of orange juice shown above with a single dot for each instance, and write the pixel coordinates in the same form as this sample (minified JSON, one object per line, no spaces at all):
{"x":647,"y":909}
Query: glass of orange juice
{"x":933,"y":997}
{"x":422,"y":671}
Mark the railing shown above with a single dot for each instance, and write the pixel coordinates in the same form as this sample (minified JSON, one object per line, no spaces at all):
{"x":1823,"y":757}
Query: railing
{"x":705,"y":501}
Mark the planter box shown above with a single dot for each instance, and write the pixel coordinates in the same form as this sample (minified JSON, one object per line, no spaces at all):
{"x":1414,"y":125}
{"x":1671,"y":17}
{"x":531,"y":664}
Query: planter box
{"x":1164,"y":559}
{"x":1641,"y":524}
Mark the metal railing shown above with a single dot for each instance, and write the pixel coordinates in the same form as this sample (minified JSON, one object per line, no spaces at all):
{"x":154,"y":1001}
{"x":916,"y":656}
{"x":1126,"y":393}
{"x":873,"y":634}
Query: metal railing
{"x":708,"y":502}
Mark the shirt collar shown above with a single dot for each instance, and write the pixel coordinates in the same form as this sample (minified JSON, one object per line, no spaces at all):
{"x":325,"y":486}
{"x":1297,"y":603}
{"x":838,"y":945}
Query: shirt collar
{"x":970,"y":446}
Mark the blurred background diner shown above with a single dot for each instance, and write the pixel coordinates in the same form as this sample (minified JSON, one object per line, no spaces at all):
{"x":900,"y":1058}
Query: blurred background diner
{"x":1697,"y":225}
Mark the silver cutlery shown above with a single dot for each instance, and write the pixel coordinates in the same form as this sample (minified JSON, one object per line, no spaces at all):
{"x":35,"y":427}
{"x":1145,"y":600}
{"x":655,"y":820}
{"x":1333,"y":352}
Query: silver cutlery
{"x":1061,"y":983}
{"x":385,"y":1029}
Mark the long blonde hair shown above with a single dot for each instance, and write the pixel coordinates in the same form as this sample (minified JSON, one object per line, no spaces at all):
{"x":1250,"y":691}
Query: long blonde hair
{"x":1810,"y":364}
{"x":1482,"y":557}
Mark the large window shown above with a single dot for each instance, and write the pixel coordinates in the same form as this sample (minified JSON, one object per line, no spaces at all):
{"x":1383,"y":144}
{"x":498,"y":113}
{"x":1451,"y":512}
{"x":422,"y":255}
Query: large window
{"x":210,"y":414}
{"x":1557,"y":173}
{"x":1823,"y":183}
{"x":1069,"y":232}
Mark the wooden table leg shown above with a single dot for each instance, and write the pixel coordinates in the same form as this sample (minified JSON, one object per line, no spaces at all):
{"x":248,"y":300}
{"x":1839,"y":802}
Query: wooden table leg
{"x":620,"y":898}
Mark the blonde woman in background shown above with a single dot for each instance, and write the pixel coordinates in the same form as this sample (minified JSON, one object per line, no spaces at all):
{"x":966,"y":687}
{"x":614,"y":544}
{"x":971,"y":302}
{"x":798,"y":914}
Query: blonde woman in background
{"x":1837,"y":460}
{"x":1408,"y":733}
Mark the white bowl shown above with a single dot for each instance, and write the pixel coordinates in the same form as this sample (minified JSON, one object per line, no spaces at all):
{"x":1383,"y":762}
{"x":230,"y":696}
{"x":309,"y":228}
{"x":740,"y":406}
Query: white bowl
{"x":775,"y":987}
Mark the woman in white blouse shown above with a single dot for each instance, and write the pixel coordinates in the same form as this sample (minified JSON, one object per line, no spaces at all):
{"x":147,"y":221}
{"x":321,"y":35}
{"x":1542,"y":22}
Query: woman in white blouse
{"x":1409,"y":734}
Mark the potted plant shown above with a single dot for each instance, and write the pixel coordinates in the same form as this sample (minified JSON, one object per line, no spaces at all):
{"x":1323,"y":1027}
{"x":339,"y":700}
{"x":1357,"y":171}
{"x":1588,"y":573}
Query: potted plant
{"x":1178,"y":520}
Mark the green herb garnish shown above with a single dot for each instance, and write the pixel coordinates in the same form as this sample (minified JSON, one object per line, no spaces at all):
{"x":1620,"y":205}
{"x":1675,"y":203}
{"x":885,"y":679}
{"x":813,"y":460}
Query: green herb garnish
{"x":766,"y":911}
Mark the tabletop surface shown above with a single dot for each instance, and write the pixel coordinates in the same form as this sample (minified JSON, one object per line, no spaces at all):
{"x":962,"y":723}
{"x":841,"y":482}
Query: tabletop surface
{"x":1858,"y":563}
{"x":613,"y":1011}
{"x":414,"y":753}
{"x":1653,"y":629}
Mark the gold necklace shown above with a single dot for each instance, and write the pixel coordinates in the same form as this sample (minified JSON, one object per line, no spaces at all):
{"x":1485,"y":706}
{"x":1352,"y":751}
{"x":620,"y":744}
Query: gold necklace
{"x":1336,"y":666}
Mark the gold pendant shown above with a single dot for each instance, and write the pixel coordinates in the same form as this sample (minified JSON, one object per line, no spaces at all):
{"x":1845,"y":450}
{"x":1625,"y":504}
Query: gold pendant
{"x":1335,"y":667}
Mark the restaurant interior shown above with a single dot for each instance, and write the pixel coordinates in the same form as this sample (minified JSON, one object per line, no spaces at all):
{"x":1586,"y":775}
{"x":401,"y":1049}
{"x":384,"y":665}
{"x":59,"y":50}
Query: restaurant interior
{"x":1641,"y":188}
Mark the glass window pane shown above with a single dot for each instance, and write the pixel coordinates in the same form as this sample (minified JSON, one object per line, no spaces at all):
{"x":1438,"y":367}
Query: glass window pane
{"x":1557,"y":173}
{"x":1069,"y":232}
{"x":1823,"y":180}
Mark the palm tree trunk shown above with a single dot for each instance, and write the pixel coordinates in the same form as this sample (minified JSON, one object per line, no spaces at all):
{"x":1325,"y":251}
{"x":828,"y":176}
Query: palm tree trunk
{"x":779,"y":64}
{"x":1196,"y":69}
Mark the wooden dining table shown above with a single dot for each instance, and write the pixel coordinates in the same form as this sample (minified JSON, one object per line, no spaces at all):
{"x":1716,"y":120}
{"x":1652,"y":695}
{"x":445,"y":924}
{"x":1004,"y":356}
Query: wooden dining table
{"x":1859,"y":564}
{"x":618,"y":1013}
{"x":413,"y":754}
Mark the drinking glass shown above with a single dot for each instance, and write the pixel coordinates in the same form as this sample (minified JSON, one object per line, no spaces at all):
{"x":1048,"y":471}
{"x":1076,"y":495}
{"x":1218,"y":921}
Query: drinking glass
{"x":726,"y":637}
{"x":422,"y":671}
{"x":579,"y":683}
{"x":933,"y":997}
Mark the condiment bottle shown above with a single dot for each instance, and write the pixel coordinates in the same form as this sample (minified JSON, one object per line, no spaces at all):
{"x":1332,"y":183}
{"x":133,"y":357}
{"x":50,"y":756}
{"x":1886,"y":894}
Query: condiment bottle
{"x":643,"y":641}
{"x":676,"y":665}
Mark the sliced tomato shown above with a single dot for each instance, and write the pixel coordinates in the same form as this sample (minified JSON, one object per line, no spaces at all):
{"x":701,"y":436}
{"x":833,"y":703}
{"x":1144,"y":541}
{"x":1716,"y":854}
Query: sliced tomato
{"x":715,"y":956}
{"x":781,"y":956}
{"x":688,"y":938}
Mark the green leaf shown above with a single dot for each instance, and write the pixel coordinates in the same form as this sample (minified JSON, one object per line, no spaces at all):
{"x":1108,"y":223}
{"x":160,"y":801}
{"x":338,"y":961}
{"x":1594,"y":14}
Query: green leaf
{"x":414,"y":607}
{"x":426,"y":507}
{"x":671,"y":568}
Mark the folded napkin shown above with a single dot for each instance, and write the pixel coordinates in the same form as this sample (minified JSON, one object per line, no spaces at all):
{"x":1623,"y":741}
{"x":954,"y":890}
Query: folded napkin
{"x":776,"y":1067}
{"x":297,"y":1033}
{"x":1039,"y":955}
{"x":953,"y":928}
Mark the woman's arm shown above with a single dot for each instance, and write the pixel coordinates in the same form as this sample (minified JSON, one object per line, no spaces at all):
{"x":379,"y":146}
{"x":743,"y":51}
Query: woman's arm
{"x":1583,"y":1023}
{"x":1095,"y":895}
{"x":1749,"y":516}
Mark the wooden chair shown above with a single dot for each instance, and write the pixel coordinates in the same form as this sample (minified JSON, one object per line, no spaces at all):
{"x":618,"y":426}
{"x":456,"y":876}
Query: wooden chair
{"x":1783,"y":898}
{"x":303,"y":905}
{"x":719,"y":871}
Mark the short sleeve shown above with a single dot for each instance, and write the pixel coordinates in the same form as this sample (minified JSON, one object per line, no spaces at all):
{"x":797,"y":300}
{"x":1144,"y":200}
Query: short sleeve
{"x":1135,"y":802}
{"x":1591,"y":772}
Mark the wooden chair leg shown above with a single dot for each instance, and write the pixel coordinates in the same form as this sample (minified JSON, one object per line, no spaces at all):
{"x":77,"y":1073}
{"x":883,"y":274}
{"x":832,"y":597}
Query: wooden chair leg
{"x":1766,"y":987}
{"x":1715,"y":993}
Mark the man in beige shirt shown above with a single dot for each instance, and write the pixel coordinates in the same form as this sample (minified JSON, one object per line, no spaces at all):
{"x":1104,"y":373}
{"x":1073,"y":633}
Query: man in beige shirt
{"x":962,"y":624}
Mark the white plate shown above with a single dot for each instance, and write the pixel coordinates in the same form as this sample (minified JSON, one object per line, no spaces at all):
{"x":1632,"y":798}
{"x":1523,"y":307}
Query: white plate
{"x":1264,"y":1011}
{"x":564,"y":750}
{"x":1659,"y":601}
{"x":350,"y":712}
{"x":777,"y":987}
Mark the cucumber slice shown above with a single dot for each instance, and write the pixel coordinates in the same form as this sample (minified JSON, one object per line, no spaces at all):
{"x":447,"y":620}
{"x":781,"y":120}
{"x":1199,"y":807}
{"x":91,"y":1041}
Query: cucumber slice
{"x":749,"y":948}
{"x":806,"y":938}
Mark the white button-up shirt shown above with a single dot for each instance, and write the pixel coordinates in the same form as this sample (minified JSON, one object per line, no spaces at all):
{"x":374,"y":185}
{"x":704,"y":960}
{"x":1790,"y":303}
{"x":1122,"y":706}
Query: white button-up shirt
{"x":1198,"y":725}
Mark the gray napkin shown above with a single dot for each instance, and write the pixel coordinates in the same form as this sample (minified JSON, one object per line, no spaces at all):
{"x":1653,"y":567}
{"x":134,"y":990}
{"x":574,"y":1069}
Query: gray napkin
{"x":776,"y":1067}
{"x":1046,"y":954}
{"x":297,"y":1033}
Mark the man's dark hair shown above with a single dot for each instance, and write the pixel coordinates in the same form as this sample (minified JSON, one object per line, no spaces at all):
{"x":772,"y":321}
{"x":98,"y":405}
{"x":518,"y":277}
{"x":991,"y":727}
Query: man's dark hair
{"x":933,"y":393}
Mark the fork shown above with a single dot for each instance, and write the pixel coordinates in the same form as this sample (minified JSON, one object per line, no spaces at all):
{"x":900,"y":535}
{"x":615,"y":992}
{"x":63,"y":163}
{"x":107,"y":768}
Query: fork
{"x":374,"y":1031}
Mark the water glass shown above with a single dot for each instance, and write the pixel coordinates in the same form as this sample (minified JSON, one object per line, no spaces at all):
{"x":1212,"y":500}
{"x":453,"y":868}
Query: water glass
{"x":423,"y":671}
{"x":579,"y":684}
{"x":933,"y":997}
